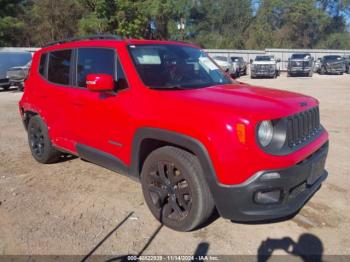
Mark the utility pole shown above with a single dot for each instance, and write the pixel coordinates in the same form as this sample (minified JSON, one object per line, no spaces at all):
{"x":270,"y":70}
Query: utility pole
{"x":181,"y":28}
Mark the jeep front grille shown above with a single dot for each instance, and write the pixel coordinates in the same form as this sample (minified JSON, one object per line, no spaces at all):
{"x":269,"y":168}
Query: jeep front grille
{"x":303,"y":126}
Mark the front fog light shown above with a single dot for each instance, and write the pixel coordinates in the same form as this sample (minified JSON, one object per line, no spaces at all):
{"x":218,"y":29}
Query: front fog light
{"x":265,"y":133}
{"x":268,"y":197}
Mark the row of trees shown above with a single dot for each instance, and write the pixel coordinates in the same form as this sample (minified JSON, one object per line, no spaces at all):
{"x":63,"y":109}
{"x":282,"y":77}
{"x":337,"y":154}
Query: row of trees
{"x":240,"y":24}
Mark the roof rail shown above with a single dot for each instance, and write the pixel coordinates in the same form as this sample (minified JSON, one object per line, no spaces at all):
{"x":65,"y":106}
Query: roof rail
{"x":88,"y":37}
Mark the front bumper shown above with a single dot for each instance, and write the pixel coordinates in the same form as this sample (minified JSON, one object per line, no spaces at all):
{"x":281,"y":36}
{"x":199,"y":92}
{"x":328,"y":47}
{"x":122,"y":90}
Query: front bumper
{"x":239,"y":203}
{"x":334,"y":70}
{"x":270,"y":72}
{"x":299,"y":70}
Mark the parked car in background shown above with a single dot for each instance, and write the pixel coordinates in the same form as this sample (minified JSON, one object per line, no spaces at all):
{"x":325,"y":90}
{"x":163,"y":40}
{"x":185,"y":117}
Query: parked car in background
{"x":301,"y":64}
{"x":347,"y":63}
{"x":18,"y":74}
{"x":332,"y":64}
{"x":240,"y":64}
{"x":9,"y":60}
{"x":227,"y":65}
{"x":264,"y":66}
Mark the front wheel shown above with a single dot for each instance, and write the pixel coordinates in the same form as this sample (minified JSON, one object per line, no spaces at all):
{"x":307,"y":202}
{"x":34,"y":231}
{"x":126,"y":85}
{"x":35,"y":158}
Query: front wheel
{"x":40,"y":143}
{"x":175,"y":189}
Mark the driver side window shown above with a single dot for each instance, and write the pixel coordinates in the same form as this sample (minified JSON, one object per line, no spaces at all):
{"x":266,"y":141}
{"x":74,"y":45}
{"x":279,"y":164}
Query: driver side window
{"x":94,"y":61}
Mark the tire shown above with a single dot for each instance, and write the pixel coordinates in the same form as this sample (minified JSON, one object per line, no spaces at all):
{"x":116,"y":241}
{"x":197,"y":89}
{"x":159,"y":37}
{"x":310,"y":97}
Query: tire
{"x":179,"y":199}
{"x":40,"y":143}
{"x":322,"y":71}
{"x":6,"y":88}
{"x":21,"y":87}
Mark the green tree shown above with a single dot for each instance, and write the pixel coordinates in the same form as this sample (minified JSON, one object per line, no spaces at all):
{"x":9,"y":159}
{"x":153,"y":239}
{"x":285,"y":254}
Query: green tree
{"x":10,"y":25}
{"x":51,"y":20}
{"x":122,"y":17}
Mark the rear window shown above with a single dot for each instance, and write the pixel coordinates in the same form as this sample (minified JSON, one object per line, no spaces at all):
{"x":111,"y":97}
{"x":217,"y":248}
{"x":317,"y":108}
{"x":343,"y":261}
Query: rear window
{"x":94,"y":61}
{"x":60,"y":67}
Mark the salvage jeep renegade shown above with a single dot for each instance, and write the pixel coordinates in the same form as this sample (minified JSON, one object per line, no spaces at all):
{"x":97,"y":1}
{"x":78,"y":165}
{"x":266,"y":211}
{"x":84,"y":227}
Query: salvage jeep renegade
{"x":165,"y":114}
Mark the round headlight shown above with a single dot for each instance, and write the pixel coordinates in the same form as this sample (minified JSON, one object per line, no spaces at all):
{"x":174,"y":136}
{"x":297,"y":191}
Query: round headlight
{"x":265,"y":133}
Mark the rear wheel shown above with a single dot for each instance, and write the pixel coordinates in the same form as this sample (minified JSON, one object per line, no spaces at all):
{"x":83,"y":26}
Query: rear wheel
{"x":40,"y":143}
{"x":175,"y":190}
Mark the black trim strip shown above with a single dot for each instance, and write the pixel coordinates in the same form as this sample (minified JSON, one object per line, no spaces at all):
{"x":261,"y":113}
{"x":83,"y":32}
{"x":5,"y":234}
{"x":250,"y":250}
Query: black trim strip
{"x":102,"y":159}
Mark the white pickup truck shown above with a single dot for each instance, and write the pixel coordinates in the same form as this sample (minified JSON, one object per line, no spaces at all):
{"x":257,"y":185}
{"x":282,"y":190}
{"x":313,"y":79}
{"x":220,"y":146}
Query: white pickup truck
{"x":264,"y":66}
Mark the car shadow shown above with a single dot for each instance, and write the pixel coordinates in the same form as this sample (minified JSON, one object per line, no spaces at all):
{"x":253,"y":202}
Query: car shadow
{"x":308,"y":247}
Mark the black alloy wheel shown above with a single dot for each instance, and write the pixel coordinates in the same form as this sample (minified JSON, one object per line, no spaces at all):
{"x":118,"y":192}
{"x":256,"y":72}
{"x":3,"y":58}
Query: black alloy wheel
{"x":175,"y":189}
{"x":169,"y":191}
{"x":36,"y":140}
{"x":39,"y":142}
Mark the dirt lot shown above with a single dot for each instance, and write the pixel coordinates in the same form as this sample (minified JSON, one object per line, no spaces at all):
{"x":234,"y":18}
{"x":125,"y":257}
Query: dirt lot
{"x":69,"y":207}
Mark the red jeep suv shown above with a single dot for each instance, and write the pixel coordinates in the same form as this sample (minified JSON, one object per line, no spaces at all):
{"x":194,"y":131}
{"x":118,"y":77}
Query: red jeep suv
{"x":165,"y":114}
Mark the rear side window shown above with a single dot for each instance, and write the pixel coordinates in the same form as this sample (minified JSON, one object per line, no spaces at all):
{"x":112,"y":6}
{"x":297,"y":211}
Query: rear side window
{"x":42,"y":64}
{"x":59,"y":67}
{"x":94,"y":61}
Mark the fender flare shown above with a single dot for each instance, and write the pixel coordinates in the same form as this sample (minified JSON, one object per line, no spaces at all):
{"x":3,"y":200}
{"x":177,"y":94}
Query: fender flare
{"x":177,"y":139}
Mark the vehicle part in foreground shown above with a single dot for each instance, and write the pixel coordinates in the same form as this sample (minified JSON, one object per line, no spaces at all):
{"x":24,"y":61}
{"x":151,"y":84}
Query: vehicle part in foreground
{"x":165,"y":114}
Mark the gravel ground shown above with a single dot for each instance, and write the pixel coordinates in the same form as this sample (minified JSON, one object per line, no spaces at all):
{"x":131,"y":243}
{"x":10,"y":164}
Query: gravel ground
{"x":69,"y":207}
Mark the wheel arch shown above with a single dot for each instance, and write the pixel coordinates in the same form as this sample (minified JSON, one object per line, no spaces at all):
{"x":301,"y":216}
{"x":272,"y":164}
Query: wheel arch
{"x":27,"y":114}
{"x":148,"y":139}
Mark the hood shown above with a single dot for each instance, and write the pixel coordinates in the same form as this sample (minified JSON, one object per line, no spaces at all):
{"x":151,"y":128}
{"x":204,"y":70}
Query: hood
{"x":222,"y":63}
{"x":17,"y":68}
{"x":300,"y":60}
{"x":334,"y":62}
{"x":264,"y":62}
{"x":247,"y":101}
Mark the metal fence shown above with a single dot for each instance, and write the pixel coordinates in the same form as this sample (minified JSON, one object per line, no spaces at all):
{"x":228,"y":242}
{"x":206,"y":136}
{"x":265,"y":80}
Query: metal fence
{"x":18,"y":49}
{"x":282,"y":54}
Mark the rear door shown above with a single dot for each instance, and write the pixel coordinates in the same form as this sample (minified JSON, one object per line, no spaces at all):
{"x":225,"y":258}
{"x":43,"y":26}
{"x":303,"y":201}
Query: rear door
{"x":54,"y":96}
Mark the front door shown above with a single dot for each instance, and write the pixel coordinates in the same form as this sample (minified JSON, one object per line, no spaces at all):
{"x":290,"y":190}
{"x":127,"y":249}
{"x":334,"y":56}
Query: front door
{"x":101,"y":117}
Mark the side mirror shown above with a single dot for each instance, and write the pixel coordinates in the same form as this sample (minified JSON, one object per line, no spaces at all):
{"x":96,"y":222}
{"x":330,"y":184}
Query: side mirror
{"x":278,"y":60}
{"x":100,"y":82}
{"x":251,"y":61}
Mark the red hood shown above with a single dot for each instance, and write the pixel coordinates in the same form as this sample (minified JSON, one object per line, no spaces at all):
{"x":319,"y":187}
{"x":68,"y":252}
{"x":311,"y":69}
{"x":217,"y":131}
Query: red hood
{"x":247,"y":101}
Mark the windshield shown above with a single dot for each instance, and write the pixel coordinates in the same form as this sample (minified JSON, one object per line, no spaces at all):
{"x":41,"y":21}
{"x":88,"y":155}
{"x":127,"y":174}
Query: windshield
{"x":264,"y":58}
{"x":176,"y":66}
{"x":332,"y":57}
{"x":300,"y":56}
{"x":220,"y":58}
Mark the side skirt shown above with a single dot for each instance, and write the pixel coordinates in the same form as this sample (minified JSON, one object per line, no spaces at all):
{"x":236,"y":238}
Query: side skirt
{"x":103,"y":159}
